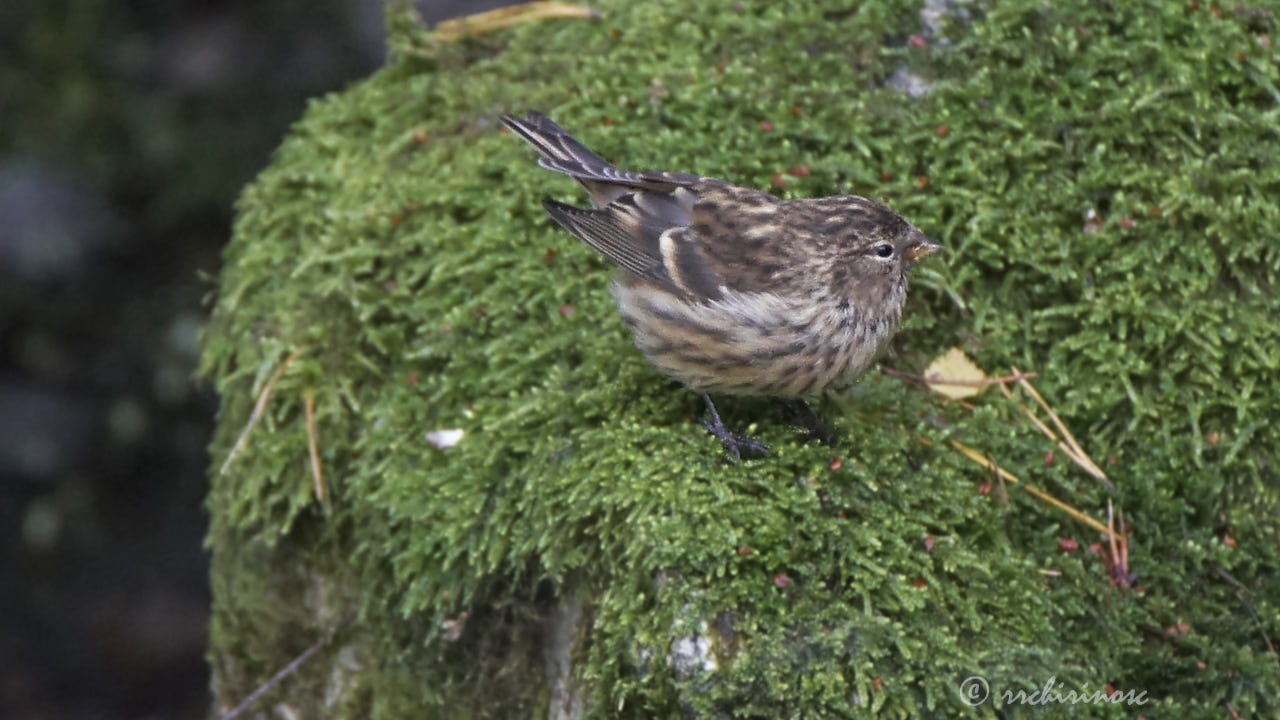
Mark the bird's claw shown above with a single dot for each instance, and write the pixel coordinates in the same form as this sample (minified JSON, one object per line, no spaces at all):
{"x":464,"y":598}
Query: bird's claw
{"x":736,"y":445}
{"x":805,"y":417}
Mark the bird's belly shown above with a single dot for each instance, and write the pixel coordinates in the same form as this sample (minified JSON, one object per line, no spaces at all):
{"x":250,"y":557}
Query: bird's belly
{"x":753,"y":344}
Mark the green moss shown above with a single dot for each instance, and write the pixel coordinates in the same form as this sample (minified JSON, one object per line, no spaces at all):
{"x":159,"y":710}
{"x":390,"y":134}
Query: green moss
{"x":397,"y":245}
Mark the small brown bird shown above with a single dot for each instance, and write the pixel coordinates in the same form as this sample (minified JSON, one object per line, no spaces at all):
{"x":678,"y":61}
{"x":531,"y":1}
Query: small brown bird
{"x":732,"y":290}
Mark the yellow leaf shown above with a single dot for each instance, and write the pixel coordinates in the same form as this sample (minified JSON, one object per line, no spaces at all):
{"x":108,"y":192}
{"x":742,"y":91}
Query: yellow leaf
{"x":954,"y":365}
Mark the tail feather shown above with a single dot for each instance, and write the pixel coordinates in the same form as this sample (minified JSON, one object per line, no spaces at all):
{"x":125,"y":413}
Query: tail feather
{"x":562,"y":153}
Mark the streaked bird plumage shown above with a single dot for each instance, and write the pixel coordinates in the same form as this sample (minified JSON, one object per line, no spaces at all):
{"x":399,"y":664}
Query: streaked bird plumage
{"x":732,"y":290}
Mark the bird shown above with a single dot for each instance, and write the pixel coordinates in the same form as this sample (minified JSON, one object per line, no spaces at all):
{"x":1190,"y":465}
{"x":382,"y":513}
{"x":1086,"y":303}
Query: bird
{"x":731,"y":290}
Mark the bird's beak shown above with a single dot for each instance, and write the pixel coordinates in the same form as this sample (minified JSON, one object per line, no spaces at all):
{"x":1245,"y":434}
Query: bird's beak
{"x":920,"y":249}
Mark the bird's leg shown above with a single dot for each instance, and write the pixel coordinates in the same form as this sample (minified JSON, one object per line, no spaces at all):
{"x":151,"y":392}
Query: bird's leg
{"x":736,"y":445}
{"x":805,"y":417}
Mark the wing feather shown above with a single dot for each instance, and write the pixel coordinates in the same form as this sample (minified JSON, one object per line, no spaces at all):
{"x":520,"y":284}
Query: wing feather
{"x":681,"y":231}
{"x":602,"y":232}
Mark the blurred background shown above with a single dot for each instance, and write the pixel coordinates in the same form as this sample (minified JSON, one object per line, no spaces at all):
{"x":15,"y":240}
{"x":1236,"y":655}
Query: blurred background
{"x":127,"y":128}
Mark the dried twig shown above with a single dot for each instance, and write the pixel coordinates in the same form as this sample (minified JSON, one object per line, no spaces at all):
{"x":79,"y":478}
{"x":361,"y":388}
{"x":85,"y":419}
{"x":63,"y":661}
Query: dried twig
{"x":258,"y":407}
{"x":288,"y":670}
{"x":1241,"y":592}
{"x":317,"y":474}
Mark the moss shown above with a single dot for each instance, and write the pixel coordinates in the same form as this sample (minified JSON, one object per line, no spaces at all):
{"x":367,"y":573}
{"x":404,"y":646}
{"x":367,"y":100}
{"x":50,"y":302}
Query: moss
{"x":396,"y":243}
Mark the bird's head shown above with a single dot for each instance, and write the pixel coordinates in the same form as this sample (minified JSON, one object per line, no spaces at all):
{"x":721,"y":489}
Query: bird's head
{"x":866,"y":246}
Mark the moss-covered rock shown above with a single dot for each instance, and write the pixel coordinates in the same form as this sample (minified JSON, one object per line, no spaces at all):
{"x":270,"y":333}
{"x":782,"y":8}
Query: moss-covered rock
{"x":1105,"y":178}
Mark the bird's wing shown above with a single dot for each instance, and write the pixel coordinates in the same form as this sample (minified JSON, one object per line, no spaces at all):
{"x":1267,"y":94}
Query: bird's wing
{"x":684,"y":232}
{"x":695,"y":241}
{"x":648,"y":234}
{"x":743,"y":236}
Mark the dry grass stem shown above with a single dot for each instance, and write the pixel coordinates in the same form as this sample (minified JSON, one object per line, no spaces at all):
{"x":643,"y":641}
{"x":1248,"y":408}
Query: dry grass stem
{"x":1082,"y":461}
{"x":1120,"y":574}
{"x":258,"y":407}
{"x":1073,"y":449}
{"x":317,"y":473}
{"x":480,"y":23}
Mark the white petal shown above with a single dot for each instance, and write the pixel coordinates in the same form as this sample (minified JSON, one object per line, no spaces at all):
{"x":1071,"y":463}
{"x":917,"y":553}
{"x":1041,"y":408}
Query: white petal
{"x":443,"y":439}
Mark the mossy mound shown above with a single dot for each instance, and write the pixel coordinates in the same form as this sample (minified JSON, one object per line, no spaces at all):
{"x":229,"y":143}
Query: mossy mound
{"x":397,"y":246}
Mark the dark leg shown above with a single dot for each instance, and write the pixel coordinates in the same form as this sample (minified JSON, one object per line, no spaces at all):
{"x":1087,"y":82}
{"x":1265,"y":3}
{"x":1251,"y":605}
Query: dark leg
{"x":735,"y":445}
{"x":805,"y":417}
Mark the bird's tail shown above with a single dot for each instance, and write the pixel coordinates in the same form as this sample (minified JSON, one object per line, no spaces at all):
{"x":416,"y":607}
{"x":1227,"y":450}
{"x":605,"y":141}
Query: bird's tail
{"x":560,"y":151}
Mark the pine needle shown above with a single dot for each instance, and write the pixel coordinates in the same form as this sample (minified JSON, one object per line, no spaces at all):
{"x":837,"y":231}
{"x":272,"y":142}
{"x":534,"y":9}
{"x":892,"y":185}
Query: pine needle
{"x":1069,"y":444}
{"x":1000,"y":472}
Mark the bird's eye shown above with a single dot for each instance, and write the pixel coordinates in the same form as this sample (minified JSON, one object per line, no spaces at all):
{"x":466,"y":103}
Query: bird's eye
{"x":884,"y":250}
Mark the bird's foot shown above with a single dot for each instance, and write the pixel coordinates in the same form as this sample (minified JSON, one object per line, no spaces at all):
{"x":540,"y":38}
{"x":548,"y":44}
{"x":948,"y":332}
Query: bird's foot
{"x":804,"y":416}
{"x":734,"y":444}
